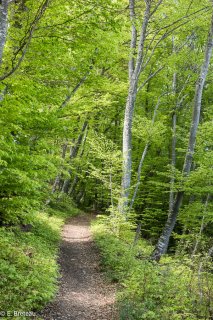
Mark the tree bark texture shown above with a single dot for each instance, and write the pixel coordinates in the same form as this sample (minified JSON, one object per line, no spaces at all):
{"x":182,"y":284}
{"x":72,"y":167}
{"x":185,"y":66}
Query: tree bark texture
{"x":135,"y":66}
{"x":163,"y":241}
{"x":3,"y":26}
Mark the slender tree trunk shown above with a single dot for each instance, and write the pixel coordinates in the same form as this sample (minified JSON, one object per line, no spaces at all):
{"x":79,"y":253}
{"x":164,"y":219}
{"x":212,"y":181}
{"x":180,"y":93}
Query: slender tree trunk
{"x":174,"y":138}
{"x":198,"y":238}
{"x":3,"y":26}
{"x":135,"y":66}
{"x":143,"y":156}
{"x":173,"y":162}
{"x":127,"y":144}
{"x":163,"y":241}
{"x":133,"y":37}
{"x":58,"y":178}
{"x":111,"y":189}
{"x":211,"y":252}
{"x":73,"y":185}
{"x":3,"y":92}
{"x":74,"y":90}
{"x":76,"y":179}
{"x":73,"y":153}
{"x":137,"y":234}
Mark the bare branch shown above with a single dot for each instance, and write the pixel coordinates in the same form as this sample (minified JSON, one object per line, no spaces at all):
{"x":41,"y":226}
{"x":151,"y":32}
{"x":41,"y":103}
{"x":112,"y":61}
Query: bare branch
{"x":164,"y":36}
{"x":156,"y":8}
{"x":79,"y":84}
{"x":68,"y":20}
{"x":172,"y":24}
{"x":189,"y":7}
{"x":152,"y":75}
{"x":69,"y":96}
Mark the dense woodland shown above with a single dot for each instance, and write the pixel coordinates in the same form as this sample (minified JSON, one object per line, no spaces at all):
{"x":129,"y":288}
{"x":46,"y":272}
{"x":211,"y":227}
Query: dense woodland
{"x":106,"y":105}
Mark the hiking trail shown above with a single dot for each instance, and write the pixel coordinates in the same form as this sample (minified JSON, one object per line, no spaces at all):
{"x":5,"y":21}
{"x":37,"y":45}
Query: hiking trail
{"x":83,"y":294}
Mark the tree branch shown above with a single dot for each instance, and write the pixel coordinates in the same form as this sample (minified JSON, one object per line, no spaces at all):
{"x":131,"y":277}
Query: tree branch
{"x":27,"y":39}
{"x":133,"y":38}
{"x":152,"y":75}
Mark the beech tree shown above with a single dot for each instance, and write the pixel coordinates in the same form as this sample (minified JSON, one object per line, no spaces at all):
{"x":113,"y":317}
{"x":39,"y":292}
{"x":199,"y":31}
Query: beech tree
{"x":146,"y":38}
{"x":135,"y":68}
{"x":68,"y":70}
{"x":107,"y":105}
{"x":163,"y":241}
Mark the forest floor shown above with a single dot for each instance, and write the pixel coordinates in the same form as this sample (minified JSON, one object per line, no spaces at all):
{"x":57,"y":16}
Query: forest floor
{"x":84,"y":293}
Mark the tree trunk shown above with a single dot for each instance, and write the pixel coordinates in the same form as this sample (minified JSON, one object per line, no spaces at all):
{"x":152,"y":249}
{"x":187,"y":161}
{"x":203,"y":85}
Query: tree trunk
{"x":211,"y":252}
{"x":137,"y":234}
{"x":73,"y":185}
{"x":73,"y":153}
{"x":143,"y":156}
{"x":163,"y":241}
{"x":127,"y":144}
{"x":3,"y":92}
{"x":76,"y":179}
{"x":3,"y":26}
{"x":173,"y":160}
{"x":134,"y":73}
{"x":202,"y":226}
{"x":58,"y":178}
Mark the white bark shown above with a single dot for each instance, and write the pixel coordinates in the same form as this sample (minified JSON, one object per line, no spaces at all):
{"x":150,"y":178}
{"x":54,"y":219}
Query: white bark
{"x":130,"y":104}
{"x":163,"y":241}
{"x":3,"y":26}
{"x":133,"y":38}
{"x":211,"y":252}
{"x":111,"y":189}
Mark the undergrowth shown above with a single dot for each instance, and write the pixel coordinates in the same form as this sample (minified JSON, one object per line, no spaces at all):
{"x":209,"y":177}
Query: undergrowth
{"x":28,"y":261}
{"x":177,"y":288}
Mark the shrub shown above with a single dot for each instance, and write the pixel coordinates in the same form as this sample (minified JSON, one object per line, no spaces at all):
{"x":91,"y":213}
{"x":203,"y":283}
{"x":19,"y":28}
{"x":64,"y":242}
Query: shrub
{"x":28,"y":262}
{"x":171,"y":290}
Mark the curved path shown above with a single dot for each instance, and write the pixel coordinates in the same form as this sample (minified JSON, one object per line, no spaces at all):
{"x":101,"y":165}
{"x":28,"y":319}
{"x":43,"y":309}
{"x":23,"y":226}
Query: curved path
{"x":83,"y":294}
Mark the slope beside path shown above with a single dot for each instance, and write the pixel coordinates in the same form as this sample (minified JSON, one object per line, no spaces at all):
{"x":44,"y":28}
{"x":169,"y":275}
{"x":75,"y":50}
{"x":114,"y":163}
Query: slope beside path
{"x":83,"y":293}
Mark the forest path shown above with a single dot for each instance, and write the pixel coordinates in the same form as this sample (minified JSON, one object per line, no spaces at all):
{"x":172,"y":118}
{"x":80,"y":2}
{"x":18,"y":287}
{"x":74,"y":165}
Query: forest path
{"x":83,"y":293}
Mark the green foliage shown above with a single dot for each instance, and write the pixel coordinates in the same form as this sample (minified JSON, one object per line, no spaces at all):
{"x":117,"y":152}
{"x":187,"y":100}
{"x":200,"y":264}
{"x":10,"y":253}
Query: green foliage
{"x":28,"y":266}
{"x":80,"y":51}
{"x":173,"y":289}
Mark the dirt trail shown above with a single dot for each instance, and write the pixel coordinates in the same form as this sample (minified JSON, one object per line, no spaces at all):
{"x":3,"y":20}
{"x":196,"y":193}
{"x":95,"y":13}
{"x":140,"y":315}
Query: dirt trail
{"x":83,"y":294}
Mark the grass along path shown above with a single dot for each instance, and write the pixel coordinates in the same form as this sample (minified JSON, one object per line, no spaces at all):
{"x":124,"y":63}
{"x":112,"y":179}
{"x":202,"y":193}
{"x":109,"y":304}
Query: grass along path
{"x":84,"y":293}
